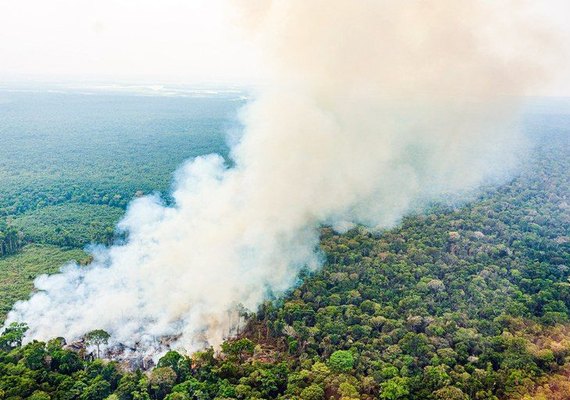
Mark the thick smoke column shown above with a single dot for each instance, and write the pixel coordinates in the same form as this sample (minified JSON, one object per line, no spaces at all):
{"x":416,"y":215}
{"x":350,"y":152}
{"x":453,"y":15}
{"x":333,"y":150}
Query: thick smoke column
{"x":375,"y":107}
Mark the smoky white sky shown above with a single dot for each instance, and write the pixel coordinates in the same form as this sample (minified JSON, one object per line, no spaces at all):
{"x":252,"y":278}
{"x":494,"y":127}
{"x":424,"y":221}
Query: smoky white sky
{"x":176,"y":41}
{"x":166,"y":40}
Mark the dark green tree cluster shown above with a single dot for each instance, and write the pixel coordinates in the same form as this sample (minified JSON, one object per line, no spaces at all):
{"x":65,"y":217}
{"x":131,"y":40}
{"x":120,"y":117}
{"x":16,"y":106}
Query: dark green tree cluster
{"x":69,"y":225}
{"x":11,"y":239}
{"x":45,"y":371}
{"x":39,"y":370}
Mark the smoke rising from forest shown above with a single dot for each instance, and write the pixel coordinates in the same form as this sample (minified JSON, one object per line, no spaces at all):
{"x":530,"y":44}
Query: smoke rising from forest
{"x":374,"y":108}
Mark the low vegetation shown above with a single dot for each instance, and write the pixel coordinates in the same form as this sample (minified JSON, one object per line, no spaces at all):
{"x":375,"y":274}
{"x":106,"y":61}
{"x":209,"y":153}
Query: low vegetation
{"x":19,"y":270}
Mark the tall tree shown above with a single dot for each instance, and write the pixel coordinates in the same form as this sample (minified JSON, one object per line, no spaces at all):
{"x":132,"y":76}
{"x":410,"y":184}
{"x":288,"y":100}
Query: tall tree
{"x":97,"y":338}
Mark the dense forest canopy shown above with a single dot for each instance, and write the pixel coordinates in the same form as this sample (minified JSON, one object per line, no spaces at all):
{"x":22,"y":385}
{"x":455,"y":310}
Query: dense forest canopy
{"x":56,"y":146}
{"x":460,"y":301}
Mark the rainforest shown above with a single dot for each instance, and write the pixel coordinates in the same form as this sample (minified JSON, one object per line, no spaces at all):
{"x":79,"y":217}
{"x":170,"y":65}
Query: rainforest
{"x":284,"y":200}
{"x":466,"y":300}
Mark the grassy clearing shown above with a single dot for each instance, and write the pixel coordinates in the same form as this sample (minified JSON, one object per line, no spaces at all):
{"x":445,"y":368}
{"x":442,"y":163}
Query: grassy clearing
{"x":18,"y":271}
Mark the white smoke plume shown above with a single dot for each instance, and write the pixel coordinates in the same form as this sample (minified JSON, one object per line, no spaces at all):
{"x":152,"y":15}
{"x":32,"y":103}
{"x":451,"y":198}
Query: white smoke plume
{"x":373,"y":108}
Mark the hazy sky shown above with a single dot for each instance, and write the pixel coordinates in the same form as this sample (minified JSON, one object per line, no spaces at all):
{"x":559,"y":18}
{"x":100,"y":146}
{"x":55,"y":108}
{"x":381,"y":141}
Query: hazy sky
{"x":168,"y":40}
{"x":146,"y":40}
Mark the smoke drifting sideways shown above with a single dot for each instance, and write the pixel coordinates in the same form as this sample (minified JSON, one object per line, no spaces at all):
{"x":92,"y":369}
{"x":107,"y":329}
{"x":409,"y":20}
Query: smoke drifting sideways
{"x":374,"y":108}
